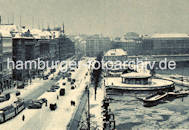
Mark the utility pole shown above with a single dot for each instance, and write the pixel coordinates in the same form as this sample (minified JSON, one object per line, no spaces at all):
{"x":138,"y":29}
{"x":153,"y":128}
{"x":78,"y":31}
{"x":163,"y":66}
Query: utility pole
{"x":88,"y":121}
{"x":0,"y":20}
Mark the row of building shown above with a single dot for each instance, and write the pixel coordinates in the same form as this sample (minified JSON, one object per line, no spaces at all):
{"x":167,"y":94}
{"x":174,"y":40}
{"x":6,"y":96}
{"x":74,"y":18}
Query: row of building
{"x":92,"y":45}
{"x":21,"y":44}
{"x":156,"y":44}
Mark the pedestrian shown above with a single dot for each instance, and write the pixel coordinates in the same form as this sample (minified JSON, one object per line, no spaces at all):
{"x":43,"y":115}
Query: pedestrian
{"x":57,"y":97}
{"x":23,"y":117}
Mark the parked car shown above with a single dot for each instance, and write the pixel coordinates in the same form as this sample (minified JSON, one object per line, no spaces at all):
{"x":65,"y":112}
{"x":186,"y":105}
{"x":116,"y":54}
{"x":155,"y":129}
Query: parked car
{"x":42,"y":100}
{"x":20,"y":86}
{"x":64,"y":83}
{"x":53,"y":107}
{"x":72,"y":87}
{"x":45,"y":77}
{"x":17,"y":93}
{"x":7,"y":96}
{"x":35,"y":105}
{"x":73,"y":80}
{"x":51,"y":90}
{"x":55,"y":87}
{"x":69,"y":79}
{"x":72,"y":70}
{"x":62,"y":92}
{"x":2,"y":99}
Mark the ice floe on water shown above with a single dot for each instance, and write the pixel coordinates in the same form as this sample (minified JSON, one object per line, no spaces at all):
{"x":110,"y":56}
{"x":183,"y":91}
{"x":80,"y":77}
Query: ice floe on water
{"x":131,"y":113}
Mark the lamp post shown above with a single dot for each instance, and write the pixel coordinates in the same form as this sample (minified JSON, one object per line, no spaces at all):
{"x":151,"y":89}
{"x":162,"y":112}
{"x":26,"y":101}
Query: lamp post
{"x":88,"y":120}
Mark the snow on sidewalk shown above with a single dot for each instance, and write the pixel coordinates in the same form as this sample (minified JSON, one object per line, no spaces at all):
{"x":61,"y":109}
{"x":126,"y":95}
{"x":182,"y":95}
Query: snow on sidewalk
{"x":95,"y":108}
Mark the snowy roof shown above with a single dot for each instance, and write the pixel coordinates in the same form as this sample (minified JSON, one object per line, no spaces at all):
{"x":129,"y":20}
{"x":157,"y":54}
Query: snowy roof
{"x":5,"y":33}
{"x":116,"y":52}
{"x":136,"y":75}
{"x":170,"y":35}
{"x":5,"y":29}
{"x":156,"y":84}
{"x":9,"y":27}
{"x":36,"y":33}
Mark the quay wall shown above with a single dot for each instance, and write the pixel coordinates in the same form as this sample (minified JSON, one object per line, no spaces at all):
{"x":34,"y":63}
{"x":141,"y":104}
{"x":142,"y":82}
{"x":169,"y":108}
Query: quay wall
{"x":178,"y":82}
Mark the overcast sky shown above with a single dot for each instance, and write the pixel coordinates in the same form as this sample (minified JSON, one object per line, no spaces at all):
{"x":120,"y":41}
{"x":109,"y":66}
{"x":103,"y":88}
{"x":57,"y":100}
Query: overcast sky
{"x":114,"y":17}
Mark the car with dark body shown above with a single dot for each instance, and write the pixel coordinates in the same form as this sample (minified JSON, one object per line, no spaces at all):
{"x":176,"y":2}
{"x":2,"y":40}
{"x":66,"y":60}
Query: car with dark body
{"x":37,"y":104}
{"x":20,"y":86}
{"x":62,"y":92}
{"x":53,"y":106}
{"x":5,"y":97}
{"x":17,"y":93}
{"x":55,"y":87}
{"x":51,"y":90}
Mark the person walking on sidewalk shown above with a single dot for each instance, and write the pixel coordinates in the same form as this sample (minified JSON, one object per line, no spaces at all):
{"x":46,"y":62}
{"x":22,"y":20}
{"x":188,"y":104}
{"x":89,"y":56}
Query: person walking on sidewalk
{"x":23,"y":117}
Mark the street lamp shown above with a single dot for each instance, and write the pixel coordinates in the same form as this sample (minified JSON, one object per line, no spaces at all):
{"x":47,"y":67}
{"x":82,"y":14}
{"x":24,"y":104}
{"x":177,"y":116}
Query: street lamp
{"x":88,"y":119}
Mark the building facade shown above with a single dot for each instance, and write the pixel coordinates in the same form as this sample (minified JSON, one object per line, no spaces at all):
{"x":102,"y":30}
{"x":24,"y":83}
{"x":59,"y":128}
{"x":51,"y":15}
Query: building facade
{"x":132,"y":47}
{"x":1,"y":63}
{"x":166,"y":44}
{"x":97,"y":44}
{"x":157,"y":44}
{"x":66,"y":47}
{"x":80,"y":46}
{"x":24,"y":49}
{"x":6,"y":53}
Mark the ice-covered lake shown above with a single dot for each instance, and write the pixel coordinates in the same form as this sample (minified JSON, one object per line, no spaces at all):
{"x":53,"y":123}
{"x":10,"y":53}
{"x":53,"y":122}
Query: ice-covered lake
{"x":131,"y":114}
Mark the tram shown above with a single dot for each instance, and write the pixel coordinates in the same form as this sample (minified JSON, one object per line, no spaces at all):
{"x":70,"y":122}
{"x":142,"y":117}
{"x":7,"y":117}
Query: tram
{"x":11,"y":111}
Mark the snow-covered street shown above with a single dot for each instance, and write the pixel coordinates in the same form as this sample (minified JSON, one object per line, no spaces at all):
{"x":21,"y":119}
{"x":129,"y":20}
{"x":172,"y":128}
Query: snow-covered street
{"x":44,"y":118}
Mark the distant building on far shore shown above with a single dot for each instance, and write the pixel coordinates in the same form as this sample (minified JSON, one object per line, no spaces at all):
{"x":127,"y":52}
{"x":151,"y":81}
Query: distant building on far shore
{"x":156,"y":44}
{"x":166,"y":44}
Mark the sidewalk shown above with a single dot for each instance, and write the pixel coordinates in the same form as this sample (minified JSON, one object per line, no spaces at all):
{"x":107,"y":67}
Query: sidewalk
{"x":96,"y":107}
